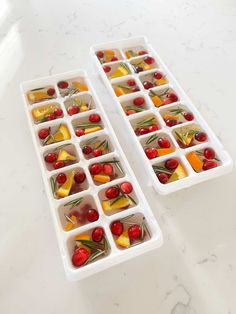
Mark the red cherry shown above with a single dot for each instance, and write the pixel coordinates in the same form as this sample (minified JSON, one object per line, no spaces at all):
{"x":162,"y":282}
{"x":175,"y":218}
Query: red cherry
{"x":209,"y":153}
{"x":139,"y":101}
{"x":62,"y":84}
{"x":95,"y":169}
{"x":138,"y":69}
{"x":152,"y":128}
{"x":43,"y":133}
{"x":73,"y":110}
{"x":107,"y":169}
{"x":142,"y":52}
{"x":188,"y":116}
{"x":171,"y":122}
{"x":157,"y":75}
{"x":51,"y":91}
{"x":112,"y":192}
{"x":117,"y":227}
{"x":100,"y":54}
{"x":61,"y":178}
{"x":163,"y":177}
{"x":147,"y":84}
{"x":134,"y":232}
{"x":209,"y":164}
{"x":171,"y":164}
{"x":143,"y":131}
{"x":163,"y":142}
{"x":58,"y":112}
{"x":201,"y":136}
{"x":135,"y":89}
{"x":87,"y":150}
{"x":59,"y":164}
{"x":50,"y":157}
{"x":51,"y":116}
{"x":97,"y":234}
{"x":114,"y":59}
{"x":92,"y":215}
{"x":126,"y":187}
{"x":94,"y":118}
{"x":97,"y":152}
{"x":149,"y":60}
{"x":130,"y":111}
{"x":172,"y":96}
{"x":80,"y":256}
{"x":131,"y":82}
{"x":79,"y":177}
{"x":151,"y":152}
{"x":167,"y":101}
{"x":106,"y":69}
{"x":79,"y":132}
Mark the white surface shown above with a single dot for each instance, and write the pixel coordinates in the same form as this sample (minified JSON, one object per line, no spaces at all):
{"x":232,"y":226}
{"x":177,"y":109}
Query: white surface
{"x":195,"y":271}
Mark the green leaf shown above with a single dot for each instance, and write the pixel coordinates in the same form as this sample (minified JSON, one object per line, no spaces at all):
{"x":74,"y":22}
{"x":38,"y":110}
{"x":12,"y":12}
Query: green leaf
{"x":146,"y":122}
{"x":151,"y":139}
{"x":53,"y":185}
{"x":87,"y":124}
{"x":94,"y":256}
{"x":158,"y":169}
{"x":125,"y":87}
{"x":74,"y":202}
{"x":137,"y":109}
{"x":115,"y":200}
{"x":132,"y":200}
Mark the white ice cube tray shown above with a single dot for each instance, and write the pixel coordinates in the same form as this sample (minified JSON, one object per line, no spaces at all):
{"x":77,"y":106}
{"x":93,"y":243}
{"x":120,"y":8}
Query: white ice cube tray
{"x":141,"y":43}
{"x":92,"y":192}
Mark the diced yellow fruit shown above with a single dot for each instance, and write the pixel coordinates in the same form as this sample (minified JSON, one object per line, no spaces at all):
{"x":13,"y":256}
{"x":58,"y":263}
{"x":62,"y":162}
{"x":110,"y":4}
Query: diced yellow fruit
{"x":64,"y":190}
{"x":84,"y":236}
{"x":119,"y":91}
{"x":119,"y":204}
{"x":92,"y":129}
{"x":61,"y":135}
{"x":157,"y":101}
{"x":123,"y":240}
{"x":130,"y":53}
{"x":101,"y":178}
{"x":146,"y":66}
{"x":40,"y":112}
{"x":81,"y":87}
{"x":108,"y":55}
{"x":165,"y":151}
{"x":162,"y":81}
{"x":64,"y":155}
{"x":171,"y":117}
{"x":70,"y":225}
{"x":37,"y":96}
{"x":120,"y":71}
{"x":179,"y":173}
{"x":195,"y":161}
{"x":83,"y":108}
{"x":188,"y":140}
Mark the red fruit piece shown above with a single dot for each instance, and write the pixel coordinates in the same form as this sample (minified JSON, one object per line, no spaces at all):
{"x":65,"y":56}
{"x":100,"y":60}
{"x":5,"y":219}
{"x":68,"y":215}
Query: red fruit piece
{"x":157,"y":75}
{"x":126,"y":187}
{"x":58,"y":112}
{"x":130,"y":111}
{"x":62,"y":84}
{"x":97,"y":234}
{"x":149,"y":60}
{"x":61,"y":178}
{"x":139,"y":101}
{"x":80,"y":176}
{"x":107,"y":169}
{"x":143,"y":131}
{"x":51,"y":91}
{"x":112,"y":192}
{"x":106,"y":69}
{"x":163,"y":177}
{"x":135,"y":89}
{"x":73,"y":110}
{"x":163,"y":142}
{"x":95,"y":169}
{"x":147,"y":84}
{"x":97,"y":152}
{"x":59,"y":164}
{"x":94,"y":118}
{"x":209,"y":164}
{"x":209,"y":153}
{"x":100,"y":54}
{"x":50,"y":116}
{"x":142,"y":52}
{"x":172,"y":96}
{"x":152,"y":128}
{"x":138,"y":69}
{"x":131,"y":82}
{"x":188,"y":116}
{"x":134,"y":232}
{"x":167,"y":101}
{"x":80,"y":256}
{"x":171,"y":122}
{"x":171,"y":164}
{"x":43,"y":133}
{"x":201,"y":136}
{"x":117,"y":227}
{"x":50,"y":157}
{"x":87,"y":150}
{"x":151,"y":152}
{"x":79,"y":132}
{"x":92,"y":215}
{"x":114,"y":59}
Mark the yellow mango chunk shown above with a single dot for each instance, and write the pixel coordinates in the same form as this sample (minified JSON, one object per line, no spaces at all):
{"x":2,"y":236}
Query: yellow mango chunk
{"x":40,"y":112}
{"x":108,"y":55}
{"x":61,"y":135}
{"x":36,"y":96}
{"x":130,"y":54}
{"x":123,"y":240}
{"x":81,"y":87}
{"x":64,"y":155}
{"x":165,"y":151}
{"x":157,"y":101}
{"x":92,"y":129}
{"x":64,"y":190}
{"x":119,"y":204}
{"x":84,"y":236}
{"x":179,"y":173}
{"x":195,"y":161}
{"x":120,"y":71}
{"x":171,"y":117}
{"x":162,"y":81}
{"x":84,"y":108}
{"x":119,"y":91}
{"x":70,"y":225}
{"x":101,"y":178}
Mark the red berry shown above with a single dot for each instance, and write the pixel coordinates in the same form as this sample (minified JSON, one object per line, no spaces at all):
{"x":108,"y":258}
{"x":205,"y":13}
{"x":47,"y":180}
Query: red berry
{"x":143,"y":131}
{"x":62,"y":84}
{"x":117,"y":227}
{"x":134,"y":232}
{"x":138,"y":69}
{"x":50,"y":157}
{"x":130,"y":111}
{"x":163,"y":177}
{"x":149,"y":60}
{"x":51,"y":91}
{"x":95,"y":169}
{"x":139,"y":101}
{"x":171,"y":164}
{"x":50,"y":116}
{"x":92,"y":215}
{"x":73,"y":110}
{"x":80,"y":256}
{"x":61,"y":178}
{"x":97,"y":152}
{"x":152,"y":128}
{"x":87,"y":150}
{"x":114,"y":59}
{"x":157,"y":75}
{"x":171,"y":122}
{"x":58,"y":112}
{"x":172,"y":96}
{"x":79,"y":177}
{"x":106,"y":69}
{"x":107,"y":169}
{"x":142,"y":52}
{"x":100,"y":54}
{"x":209,"y":164}
{"x":112,"y":192}
{"x":126,"y":187}
{"x":167,"y":101}
{"x":135,"y":89}
{"x":201,"y":136}
{"x":163,"y":142}
{"x":147,"y":84}
{"x":97,"y":234}
{"x":43,"y":133}
{"x":59,"y":164}
{"x":151,"y":152}
{"x":79,"y":132}
{"x":188,"y":116}
{"x":94,"y":118}
{"x":209,"y":153}
{"x":131,"y":82}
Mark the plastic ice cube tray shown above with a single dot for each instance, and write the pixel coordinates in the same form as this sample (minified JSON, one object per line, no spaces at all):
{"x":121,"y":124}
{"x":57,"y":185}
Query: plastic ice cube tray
{"x":131,"y":53}
{"x":91,"y":192}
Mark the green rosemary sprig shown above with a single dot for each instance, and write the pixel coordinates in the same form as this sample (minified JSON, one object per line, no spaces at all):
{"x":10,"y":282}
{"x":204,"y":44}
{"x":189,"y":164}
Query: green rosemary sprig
{"x":74,"y":202}
{"x":146,"y":122}
{"x":53,"y":185}
{"x":151,"y":139}
{"x":137,"y":109}
{"x":158,"y":169}
{"x":69,"y":219}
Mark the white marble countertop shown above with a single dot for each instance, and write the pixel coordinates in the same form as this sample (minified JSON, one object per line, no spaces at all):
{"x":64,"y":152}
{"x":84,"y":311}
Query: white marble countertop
{"x":195,"y":270}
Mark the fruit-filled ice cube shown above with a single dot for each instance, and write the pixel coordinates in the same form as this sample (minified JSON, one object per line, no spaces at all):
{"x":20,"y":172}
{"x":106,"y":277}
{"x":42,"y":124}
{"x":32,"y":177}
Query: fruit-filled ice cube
{"x":125,"y":87}
{"x":108,"y":55}
{"x":163,"y":97}
{"x":72,"y":86}
{"x":145,"y":125}
{"x":135,"y":52}
{"x":189,"y":135}
{"x":203,"y":160}
{"x":170,"y":170}
{"x":96,"y":146}
{"x":176,"y":115}
{"x":79,"y":104}
{"x":143,"y":64}
{"x":153,"y":79}
{"x":87,"y":125}
{"x":134,"y":105}
{"x":116,"y":70}
{"x":54,"y":134}
{"x":47,"y":112}
{"x":41,"y":94}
